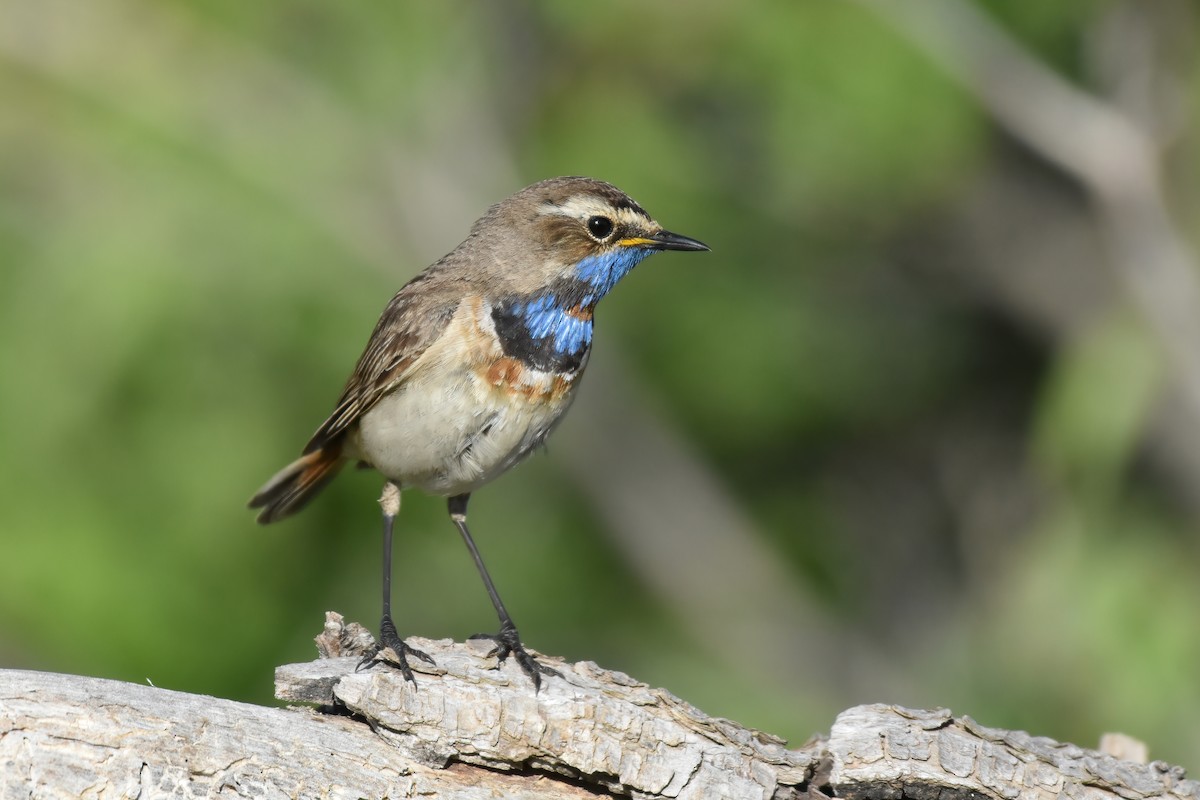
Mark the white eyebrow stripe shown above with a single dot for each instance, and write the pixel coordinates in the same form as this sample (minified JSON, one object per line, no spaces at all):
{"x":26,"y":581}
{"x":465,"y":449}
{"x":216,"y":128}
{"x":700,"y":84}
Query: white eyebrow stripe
{"x":583,"y":207}
{"x":578,"y":207}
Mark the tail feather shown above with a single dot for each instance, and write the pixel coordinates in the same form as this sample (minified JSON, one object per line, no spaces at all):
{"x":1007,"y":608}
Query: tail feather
{"x":290,"y":489}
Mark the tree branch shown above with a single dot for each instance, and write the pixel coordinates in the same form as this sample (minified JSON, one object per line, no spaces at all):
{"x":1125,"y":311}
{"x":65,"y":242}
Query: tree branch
{"x":468,"y":729}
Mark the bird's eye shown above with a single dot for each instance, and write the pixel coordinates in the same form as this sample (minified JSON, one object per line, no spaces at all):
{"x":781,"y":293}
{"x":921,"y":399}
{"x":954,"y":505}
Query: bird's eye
{"x":600,"y":227}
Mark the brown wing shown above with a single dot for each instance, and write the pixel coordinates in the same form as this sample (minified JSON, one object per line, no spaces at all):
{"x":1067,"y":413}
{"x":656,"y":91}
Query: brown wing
{"x":412,"y":321}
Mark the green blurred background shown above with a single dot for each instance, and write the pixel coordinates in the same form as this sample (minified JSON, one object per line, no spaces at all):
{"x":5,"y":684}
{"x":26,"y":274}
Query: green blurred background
{"x":923,"y":428}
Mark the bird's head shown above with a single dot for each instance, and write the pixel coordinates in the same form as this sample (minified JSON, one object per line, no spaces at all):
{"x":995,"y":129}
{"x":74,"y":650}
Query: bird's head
{"x":572,"y":230}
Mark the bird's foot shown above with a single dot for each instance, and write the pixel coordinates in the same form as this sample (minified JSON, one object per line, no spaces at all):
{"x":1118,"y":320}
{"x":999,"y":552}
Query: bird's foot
{"x":392,"y":651}
{"x":508,"y":643}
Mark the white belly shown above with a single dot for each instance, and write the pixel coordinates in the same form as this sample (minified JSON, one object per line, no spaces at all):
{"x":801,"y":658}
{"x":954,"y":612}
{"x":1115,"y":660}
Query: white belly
{"x":464,"y":414}
{"x":454,"y":437}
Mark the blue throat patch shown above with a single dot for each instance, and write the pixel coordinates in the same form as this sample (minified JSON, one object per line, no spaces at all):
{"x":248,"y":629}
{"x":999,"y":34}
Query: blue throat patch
{"x":602,"y":272}
{"x":545,"y":318}
{"x":552,"y":330}
{"x":549,"y":316}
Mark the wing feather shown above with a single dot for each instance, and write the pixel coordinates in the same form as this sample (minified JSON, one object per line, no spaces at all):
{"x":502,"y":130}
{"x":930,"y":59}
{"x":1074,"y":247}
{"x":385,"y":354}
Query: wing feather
{"x":411,"y":322}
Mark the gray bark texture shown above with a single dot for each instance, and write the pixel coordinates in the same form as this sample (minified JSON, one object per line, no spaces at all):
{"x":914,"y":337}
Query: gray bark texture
{"x":471,"y":728}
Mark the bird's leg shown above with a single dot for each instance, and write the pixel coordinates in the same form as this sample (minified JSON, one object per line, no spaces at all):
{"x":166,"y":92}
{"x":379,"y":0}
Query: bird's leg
{"x":508,"y":640}
{"x":389,"y":501}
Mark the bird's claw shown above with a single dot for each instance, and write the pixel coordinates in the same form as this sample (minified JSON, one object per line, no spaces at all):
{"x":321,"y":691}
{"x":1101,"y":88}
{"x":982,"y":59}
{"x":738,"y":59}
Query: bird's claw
{"x":508,"y":643}
{"x":389,"y":640}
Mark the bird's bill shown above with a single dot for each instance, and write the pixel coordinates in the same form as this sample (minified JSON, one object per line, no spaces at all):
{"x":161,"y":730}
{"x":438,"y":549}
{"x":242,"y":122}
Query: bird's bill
{"x":665,"y":240}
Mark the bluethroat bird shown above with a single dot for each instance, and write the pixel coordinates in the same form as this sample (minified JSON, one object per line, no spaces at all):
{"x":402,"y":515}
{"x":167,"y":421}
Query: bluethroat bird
{"x":472,"y":365}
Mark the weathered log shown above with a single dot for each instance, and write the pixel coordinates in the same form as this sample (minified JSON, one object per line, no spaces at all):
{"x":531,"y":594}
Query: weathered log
{"x":473,"y":729}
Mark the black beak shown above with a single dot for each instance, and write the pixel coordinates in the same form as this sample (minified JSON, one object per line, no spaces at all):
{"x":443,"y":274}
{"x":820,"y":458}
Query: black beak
{"x":665,"y":240}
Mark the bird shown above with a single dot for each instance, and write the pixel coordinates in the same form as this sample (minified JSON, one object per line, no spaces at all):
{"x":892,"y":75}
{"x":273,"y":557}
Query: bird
{"x":470,"y":367}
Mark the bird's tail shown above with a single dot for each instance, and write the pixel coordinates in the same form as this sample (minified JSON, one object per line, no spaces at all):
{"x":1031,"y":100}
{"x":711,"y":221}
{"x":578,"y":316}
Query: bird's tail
{"x":290,"y":489}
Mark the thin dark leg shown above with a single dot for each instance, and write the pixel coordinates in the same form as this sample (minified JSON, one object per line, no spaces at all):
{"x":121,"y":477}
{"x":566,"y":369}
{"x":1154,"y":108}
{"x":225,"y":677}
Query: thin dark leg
{"x":389,"y":522}
{"x":388,"y":638}
{"x":508,"y":640}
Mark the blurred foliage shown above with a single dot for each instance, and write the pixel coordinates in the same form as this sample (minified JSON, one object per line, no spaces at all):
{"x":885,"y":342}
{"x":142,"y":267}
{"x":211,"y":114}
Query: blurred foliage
{"x":203,"y":207}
